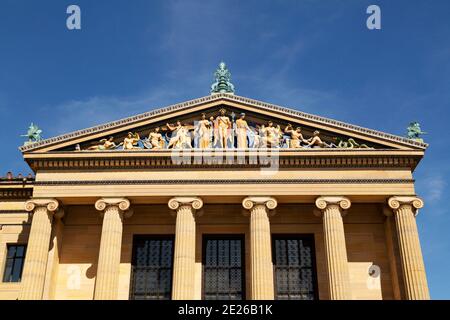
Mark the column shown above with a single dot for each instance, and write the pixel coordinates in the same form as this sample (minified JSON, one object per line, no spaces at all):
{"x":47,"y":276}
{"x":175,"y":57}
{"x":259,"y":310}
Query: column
{"x":260,"y":246}
{"x":51,"y":276}
{"x":184,"y":257}
{"x":113,"y":210}
{"x":33,"y":278}
{"x":330,"y":208}
{"x":405,"y":210}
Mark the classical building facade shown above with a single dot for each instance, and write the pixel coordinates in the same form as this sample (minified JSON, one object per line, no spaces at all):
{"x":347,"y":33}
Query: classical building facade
{"x":221,"y":197}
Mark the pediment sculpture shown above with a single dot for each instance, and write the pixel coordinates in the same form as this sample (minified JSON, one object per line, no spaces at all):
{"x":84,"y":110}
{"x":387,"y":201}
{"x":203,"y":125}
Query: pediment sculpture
{"x":224,"y":132}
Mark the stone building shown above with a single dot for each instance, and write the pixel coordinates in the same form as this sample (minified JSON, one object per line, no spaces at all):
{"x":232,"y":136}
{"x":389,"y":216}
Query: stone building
{"x":220,"y":197}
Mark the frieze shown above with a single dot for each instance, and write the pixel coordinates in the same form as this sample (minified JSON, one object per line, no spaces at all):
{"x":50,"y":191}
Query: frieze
{"x":16,"y":193}
{"x":191,"y":160}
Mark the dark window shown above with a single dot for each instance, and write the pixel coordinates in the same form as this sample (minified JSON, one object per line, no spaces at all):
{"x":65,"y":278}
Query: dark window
{"x":295,"y":273}
{"x":223,"y":268}
{"x":14,"y":263}
{"x":152,"y":261}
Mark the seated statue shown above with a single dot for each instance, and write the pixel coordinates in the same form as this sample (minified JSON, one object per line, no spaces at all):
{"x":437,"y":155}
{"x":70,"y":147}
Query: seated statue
{"x":296,"y":136}
{"x":271,"y":135}
{"x":105,"y":144}
{"x":131,"y":141}
{"x":315,"y":141}
{"x":156,"y":139}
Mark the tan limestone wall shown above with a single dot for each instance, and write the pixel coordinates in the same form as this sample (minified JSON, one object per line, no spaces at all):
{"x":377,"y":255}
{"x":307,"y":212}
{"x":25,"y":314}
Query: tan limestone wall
{"x":15,"y":228}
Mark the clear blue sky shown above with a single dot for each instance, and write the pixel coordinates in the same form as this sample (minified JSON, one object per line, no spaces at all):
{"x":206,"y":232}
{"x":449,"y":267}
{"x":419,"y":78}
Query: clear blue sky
{"x":314,"y":56}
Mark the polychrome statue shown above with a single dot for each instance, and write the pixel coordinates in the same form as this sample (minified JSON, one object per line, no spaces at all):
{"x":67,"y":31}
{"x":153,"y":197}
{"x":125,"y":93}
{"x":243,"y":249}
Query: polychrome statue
{"x":296,"y":136}
{"x":105,"y":144}
{"x":180,"y":136}
{"x":202,"y":132}
{"x":315,"y":141}
{"x":352,"y":144}
{"x":131,"y":141}
{"x":271,"y":135}
{"x":242,"y":129}
{"x":156,"y":139}
{"x":223,"y":130}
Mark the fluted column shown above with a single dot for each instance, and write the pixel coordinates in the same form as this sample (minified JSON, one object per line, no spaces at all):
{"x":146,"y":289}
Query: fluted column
{"x":51,"y":277}
{"x":405,"y":210}
{"x":260,"y":246}
{"x":33,"y":278}
{"x":184,"y":257}
{"x":330,"y":208}
{"x":114,"y":210}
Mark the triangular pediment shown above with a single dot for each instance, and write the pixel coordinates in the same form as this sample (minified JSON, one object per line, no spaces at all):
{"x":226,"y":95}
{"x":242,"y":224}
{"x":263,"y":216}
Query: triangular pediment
{"x":334,"y":134}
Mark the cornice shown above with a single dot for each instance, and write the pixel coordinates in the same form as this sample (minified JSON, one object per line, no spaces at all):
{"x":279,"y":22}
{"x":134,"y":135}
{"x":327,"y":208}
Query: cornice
{"x":223,"y":181}
{"x":192,"y":160}
{"x":223,"y":97}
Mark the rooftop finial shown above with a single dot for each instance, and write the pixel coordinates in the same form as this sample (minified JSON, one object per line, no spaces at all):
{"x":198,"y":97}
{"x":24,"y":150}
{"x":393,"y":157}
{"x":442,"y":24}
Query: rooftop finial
{"x":33,"y":134}
{"x":414,"y":131}
{"x":223,"y":80}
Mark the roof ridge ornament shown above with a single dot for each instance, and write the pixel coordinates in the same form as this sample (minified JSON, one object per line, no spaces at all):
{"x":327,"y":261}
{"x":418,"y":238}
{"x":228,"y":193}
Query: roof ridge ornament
{"x":33,"y":134}
{"x":223,"y":80}
{"x":414,"y":131}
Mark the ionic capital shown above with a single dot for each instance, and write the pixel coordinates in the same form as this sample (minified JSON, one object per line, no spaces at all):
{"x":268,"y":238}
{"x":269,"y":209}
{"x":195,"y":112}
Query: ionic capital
{"x":397,"y":202}
{"x":122,"y":204}
{"x":51,"y":204}
{"x":343,"y":203}
{"x":194,"y":202}
{"x":268,"y":202}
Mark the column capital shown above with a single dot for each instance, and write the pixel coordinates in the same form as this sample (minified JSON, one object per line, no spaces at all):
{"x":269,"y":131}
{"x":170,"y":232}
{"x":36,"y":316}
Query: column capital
{"x":123,"y":204}
{"x":396,"y":202}
{"x":194,"y":202}
{"x":343,"y":203}
{"x":269,"y":202}
{"x":52,"y":205}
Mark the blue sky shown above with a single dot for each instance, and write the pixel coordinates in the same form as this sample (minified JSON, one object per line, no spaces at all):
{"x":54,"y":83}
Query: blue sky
{"x":311,"y":55}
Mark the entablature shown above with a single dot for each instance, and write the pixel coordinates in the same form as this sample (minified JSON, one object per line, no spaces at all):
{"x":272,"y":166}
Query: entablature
{"x":188,"y":158}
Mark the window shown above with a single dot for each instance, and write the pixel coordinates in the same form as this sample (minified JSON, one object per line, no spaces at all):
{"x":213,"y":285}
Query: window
{"x":14,"y":263}
{"x":223,"y":268}
{"x":295,"y":273}
{"x":152,"y":263}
